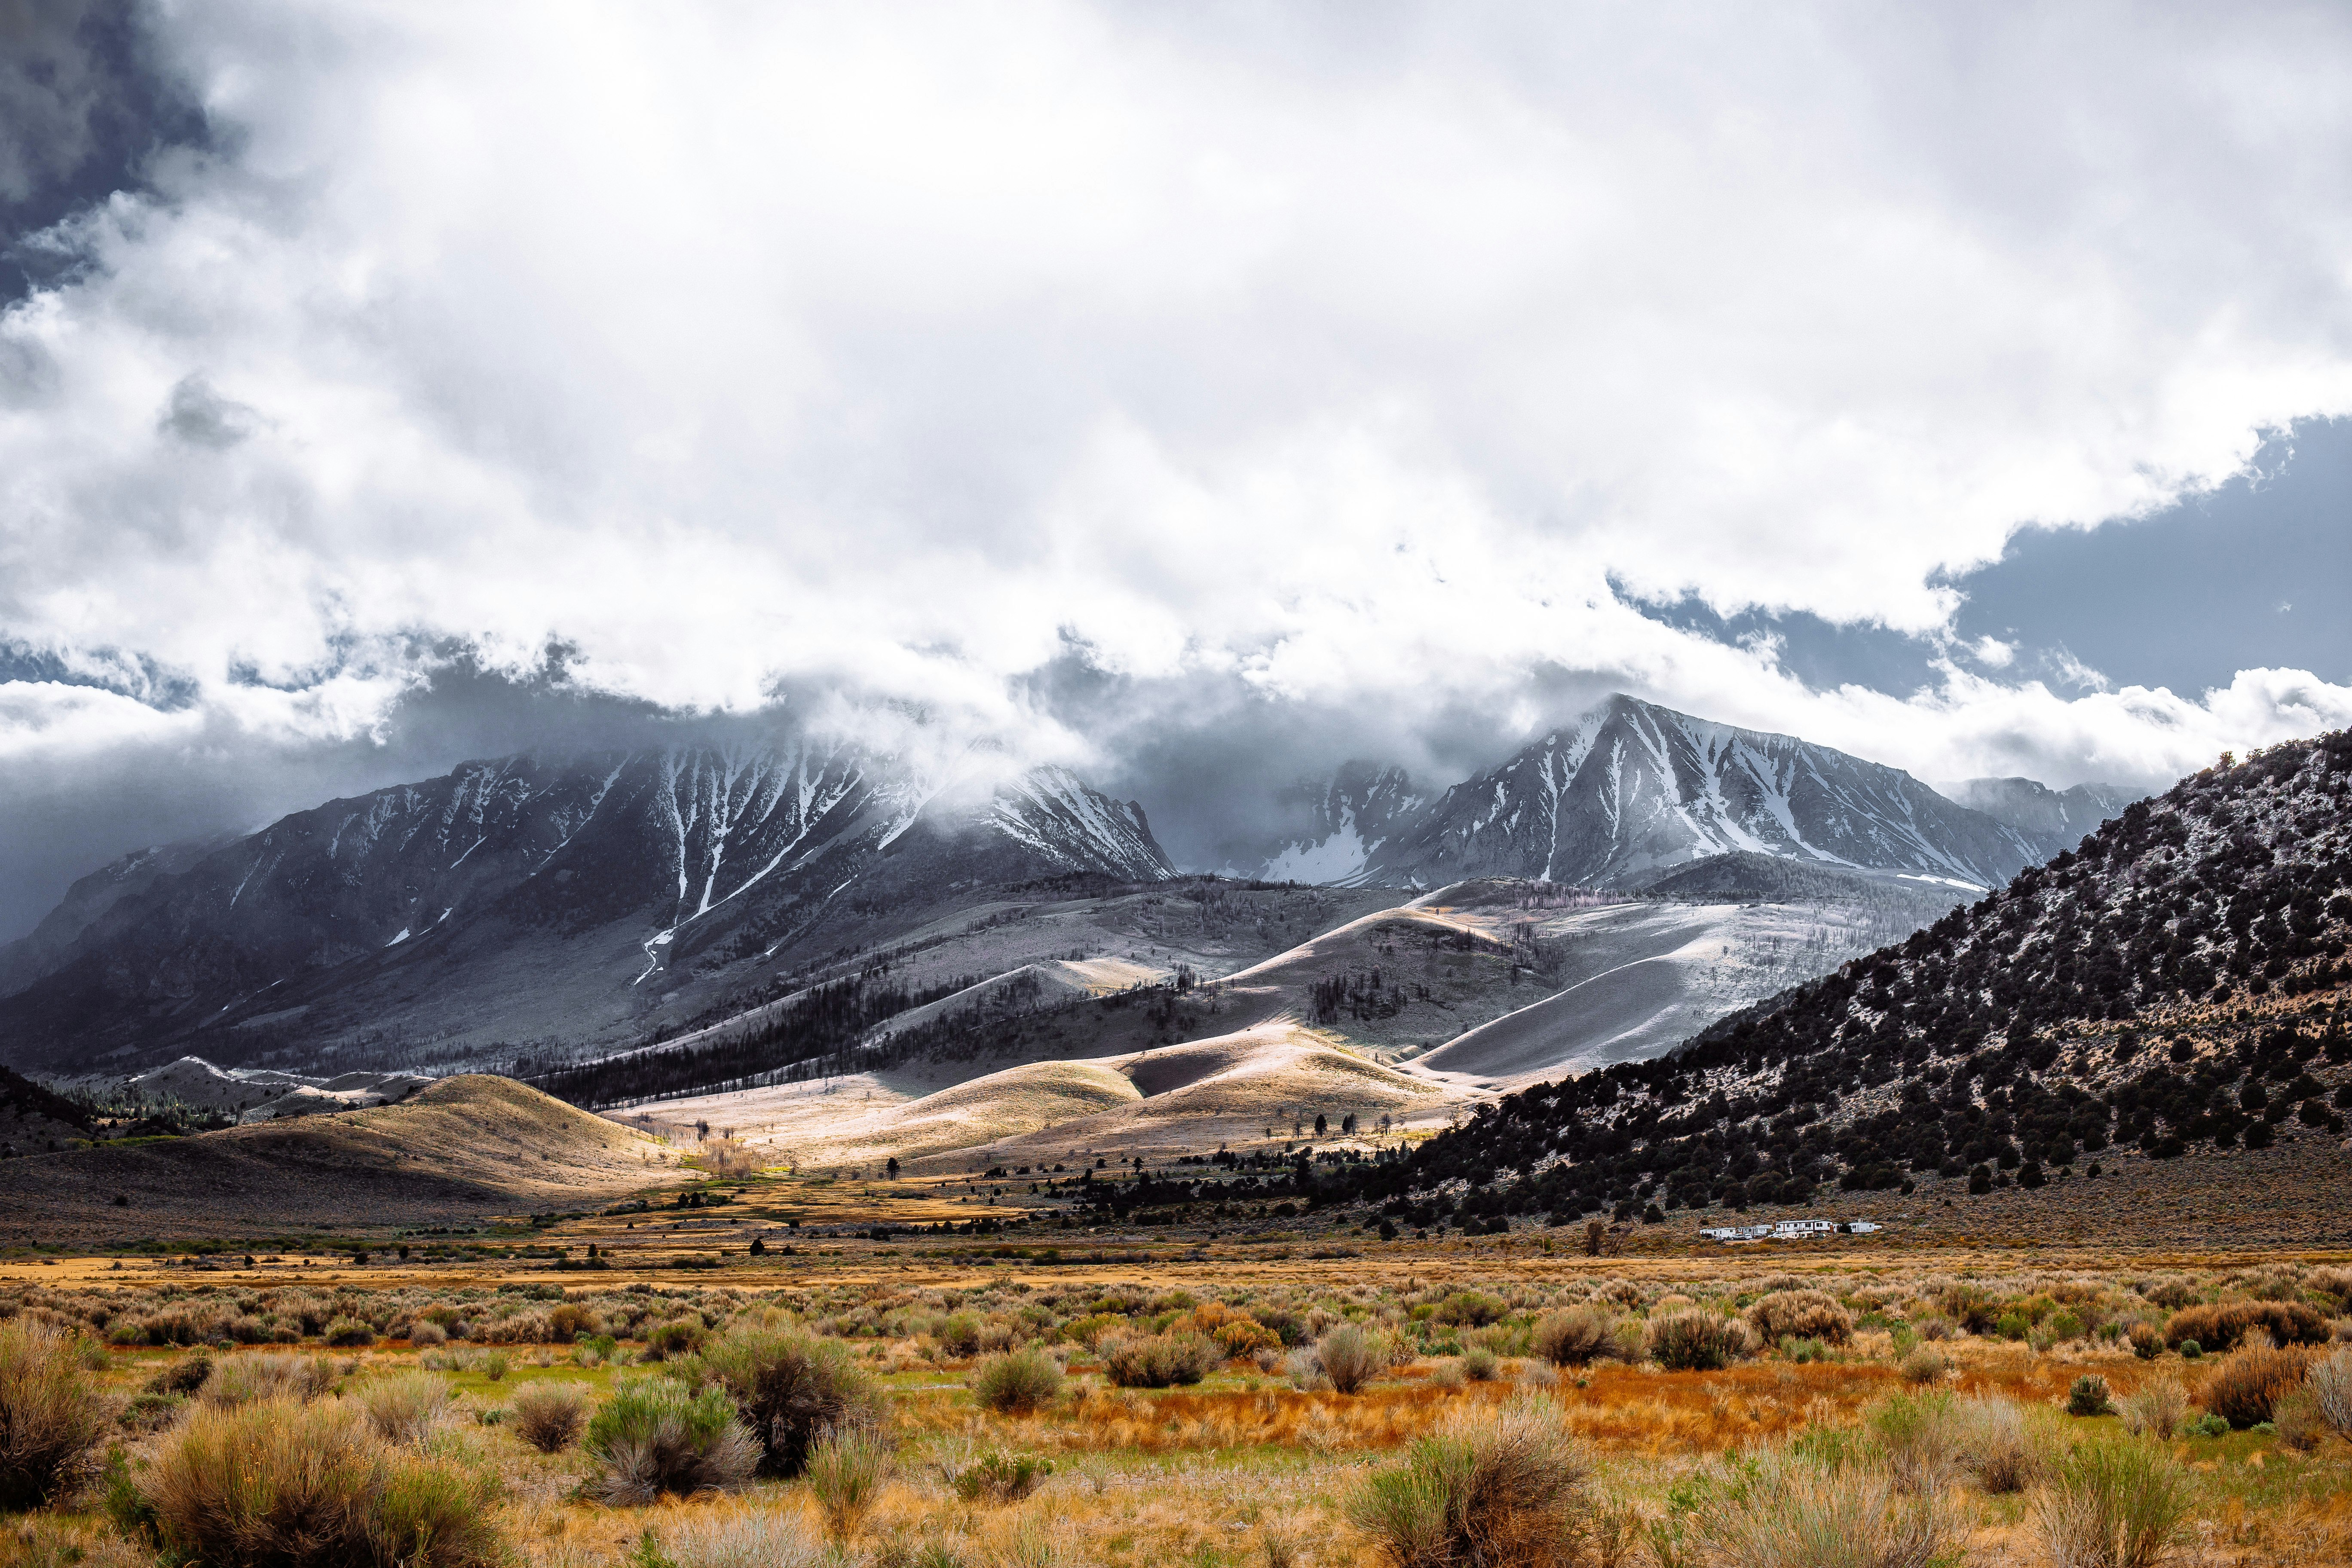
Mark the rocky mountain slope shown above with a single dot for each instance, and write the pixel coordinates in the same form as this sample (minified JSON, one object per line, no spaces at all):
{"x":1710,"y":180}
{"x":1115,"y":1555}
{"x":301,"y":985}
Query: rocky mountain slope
{"x":2052,"y":820}
{"x":1632,"y":788}
{"x":524,"y":897}
{"x":2177,"y":984}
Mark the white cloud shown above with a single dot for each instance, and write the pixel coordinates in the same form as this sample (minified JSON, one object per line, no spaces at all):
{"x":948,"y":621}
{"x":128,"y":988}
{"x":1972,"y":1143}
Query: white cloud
{"x":1355,"y":355}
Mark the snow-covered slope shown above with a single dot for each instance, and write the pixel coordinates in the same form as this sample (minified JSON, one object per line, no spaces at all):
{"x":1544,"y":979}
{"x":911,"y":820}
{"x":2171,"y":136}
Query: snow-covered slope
{"x":2050,"y":819}
{"x":1632,"y":786}
{"x":554,"y":895}
{"x":1347,"y":820}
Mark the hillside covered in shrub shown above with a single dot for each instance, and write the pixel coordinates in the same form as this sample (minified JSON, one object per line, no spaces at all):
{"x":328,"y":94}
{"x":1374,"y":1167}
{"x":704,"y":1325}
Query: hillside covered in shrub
{"x":2175,"y":981}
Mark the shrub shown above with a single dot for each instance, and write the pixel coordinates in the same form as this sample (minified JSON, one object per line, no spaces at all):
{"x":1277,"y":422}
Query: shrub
{"x":2244,"y":1388}
{"x":2088,"y":1396}
{"x":2330,"y":1383}
{"x":845,"y":1466}
{"x":2299,"y":1423}
{"x":347,"y":1331}
{"x":1925,"y":1364}
{"x":1350,"y":1358}
{"x":1997,"y":1446}
{"x":50,"y":1420}
{"x":959,"y":1334}
{"x":2145,"y":1342}
{"x":996,"y":1478}
{"x":1695,"y":1340}
{"x":1488,"y":1487}
{"x":2156,"y":1409}
{"x":246,"y":1379}
{"x":1159,"y":1361}
{"x":1801,"y":1314}
{"x":403,"y":1408}
{"x":1019,"y":1383}
{"x":1470,"y":1309}
{"x":674,"y":1340}
{"x":750,"y":1539}
{"x":184,"y":1375}
{"x":279,"y":1481}
{"x":1789,"y":1508}
{"x":655,"y":1437}
{"x":494,"y":1365}
{"x":1924,"y":1438}
{"x":426,"y":1335}
{"x":152,"y":1411}
{"x":2191,"y":1350}
{"x":2221,"y":1328}
{"x":788,"y":1388}
{"x":1480,"y":1364}
{"x":1576,"y":1337}
{"x":548,"y":1416}
{"x":2113,"y":1505}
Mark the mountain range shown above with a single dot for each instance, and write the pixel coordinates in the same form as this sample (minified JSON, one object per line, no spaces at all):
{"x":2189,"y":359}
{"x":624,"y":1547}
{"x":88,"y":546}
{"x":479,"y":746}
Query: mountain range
{"x":556,"y":907}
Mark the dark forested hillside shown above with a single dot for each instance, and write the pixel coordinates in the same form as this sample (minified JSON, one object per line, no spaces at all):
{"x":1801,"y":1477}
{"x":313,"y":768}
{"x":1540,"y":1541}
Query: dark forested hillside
{"x":2175,"y":981}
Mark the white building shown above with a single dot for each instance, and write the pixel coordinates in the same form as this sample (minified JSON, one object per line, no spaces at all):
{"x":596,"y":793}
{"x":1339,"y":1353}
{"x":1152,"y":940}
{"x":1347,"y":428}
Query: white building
{"x":1799,"y":1229}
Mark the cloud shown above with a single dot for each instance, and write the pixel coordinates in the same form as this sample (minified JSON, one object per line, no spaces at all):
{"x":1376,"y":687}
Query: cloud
{"x":1365,"y":363}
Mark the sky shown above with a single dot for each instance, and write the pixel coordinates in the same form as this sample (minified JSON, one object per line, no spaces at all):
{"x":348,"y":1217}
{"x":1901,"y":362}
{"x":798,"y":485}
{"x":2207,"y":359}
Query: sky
{"x":1196,"y":396}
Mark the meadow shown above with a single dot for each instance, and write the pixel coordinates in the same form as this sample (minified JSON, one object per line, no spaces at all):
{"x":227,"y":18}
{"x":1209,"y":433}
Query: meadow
{"x":857,"y":1405}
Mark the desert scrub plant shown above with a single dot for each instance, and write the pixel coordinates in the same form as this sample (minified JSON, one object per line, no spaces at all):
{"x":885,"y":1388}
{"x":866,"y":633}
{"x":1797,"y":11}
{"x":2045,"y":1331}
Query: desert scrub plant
{"x":1922,"y":1438}
{"x":674,"y":1340}
{"x":2113,"y":1505}
{"x":745,"y":1538}
{"x":1159,"y":1361}
{"x":2147,"y":1342}
{"x":1800,"y":1314}
{"x":1000,"y":1478}
{"x":788,"y":1388}
{"x":1785,"y":1509}
{"x":246,"y":1379}
{"x":1489,"y":1487}
{"x":1480,"y":1364}
{"x":1695,"y":1340}
{"x":2156,"y":1409}
{"x":2221,"y":1328}
{"x":184,"y":1375}
{"x":655,"y":1437}
{"x":346,"y":1333}
{"x":494,"y":1365}
{"x":2088,"y":1395}
{"x":49,"y":1419}
{"x":1350,"y":1358}
{"x":281,"y":1482}
{"x":1924,"y":1364}
{"x":548,"y":1416}
{"x":1576,"y":1337}
{"x":1998,"y":1447}
{"x":405,"y":1406}
{"x":1018,"y":1383}
{"x":2299,"y":1423}
{"x":846,"y":1468}
{"x":2248,"y":1384}
{"x":2330,"y":1383}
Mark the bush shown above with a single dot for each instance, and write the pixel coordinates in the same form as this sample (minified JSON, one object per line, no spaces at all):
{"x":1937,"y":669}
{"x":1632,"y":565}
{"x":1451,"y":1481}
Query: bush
{"x":2330,"y":1383}
{"x":1019,"y":1383}
{"x":184,"y":1375}
{"x":1924,"y":1438}
{"x":1488,"y":1487}
{"x":996,"y":1478}
{"x":246,"y":1379}
{"x":1802,"y":1315}
{"x":49,"y":1419}
{"x":152,"y":1411}
{"x":1480,"y":1364}
{"x":655,"y":1437}
{"x":494,"y":1365}
{"x":2300,"y":1424}
{"x":788,"y":1388}
{"x":1576,"y":1337}
{"x":279,"y":1481}
{"x":2145,"y":1342}
{"x":1998,"y":1449}
{"x":1471,"y":1309}
{"x":2244,"y":1388}
{"x":749,"y":1539}
{"x":2221,"y":1328}
{"x":548,"y":1416}
{"x":347,"y":1331}
{"x":1350,"y":1358}
{"x":2156,"y":1409}
{"x":1160,"y":1361}
{"x":403,"y":1408}
{"x":2113,"y":1505}
{"x":845,"y":1467}
{"x":2088,"y":1396}
{"x":1789,"y":1508}
{"x":1925,"y":1364}
{"x":674,"y":1340}
{"x":1695,"y":1340}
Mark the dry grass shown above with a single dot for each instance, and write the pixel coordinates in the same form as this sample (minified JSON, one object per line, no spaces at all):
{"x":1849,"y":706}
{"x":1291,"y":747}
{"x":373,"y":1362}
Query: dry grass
{"x":1501,"y":1486}
{"x":48,"y":1417}
{"x":2245,"y":1388}
{"x":548,"y":1416}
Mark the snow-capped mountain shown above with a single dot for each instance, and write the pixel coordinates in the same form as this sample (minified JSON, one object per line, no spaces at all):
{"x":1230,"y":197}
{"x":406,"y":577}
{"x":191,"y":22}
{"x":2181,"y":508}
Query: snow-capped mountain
{"x":1348,"y":818}
{"x":2050,"y":819}
{"x":562,"y":894}
{"x":1632,"y":786}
